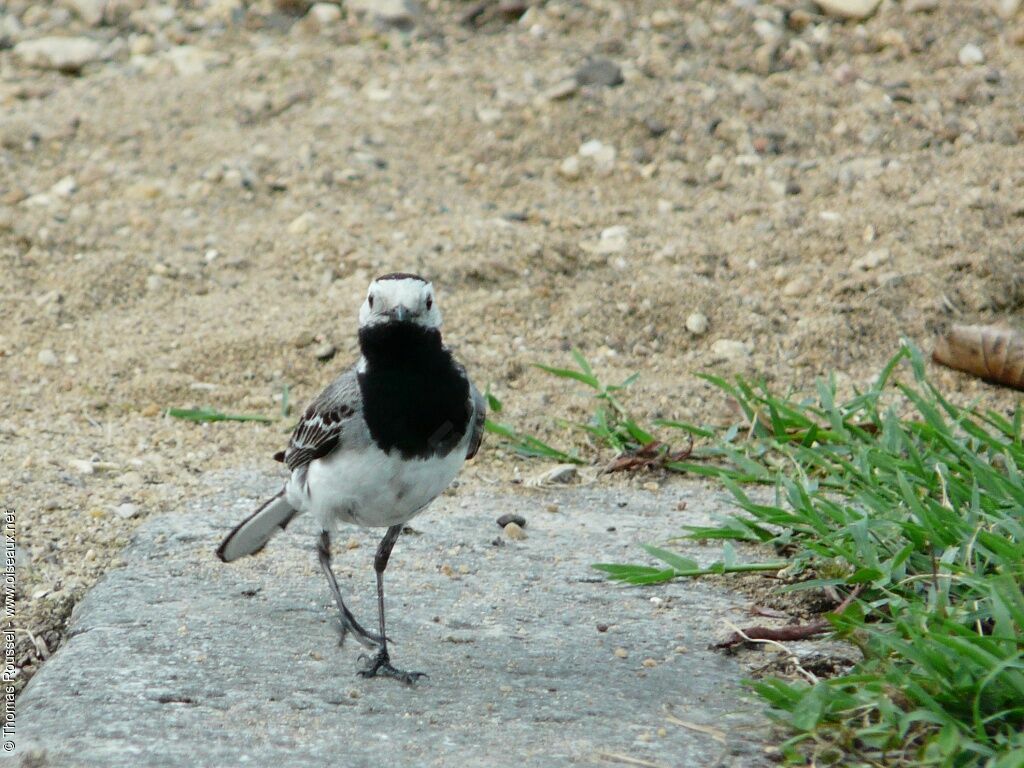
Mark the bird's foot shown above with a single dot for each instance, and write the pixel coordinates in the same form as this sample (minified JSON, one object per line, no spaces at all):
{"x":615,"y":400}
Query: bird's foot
{"x":363,"y":636}
{"x":380,"y":665}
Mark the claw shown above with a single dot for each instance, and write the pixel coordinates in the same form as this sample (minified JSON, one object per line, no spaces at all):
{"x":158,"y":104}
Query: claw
{"x":380,"y":665}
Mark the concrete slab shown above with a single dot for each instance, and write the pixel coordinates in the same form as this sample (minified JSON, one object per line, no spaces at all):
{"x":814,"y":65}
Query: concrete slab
{"x":177,"y":659}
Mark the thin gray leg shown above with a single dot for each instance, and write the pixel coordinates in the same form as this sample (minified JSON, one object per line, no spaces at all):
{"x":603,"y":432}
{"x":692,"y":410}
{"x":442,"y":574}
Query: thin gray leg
{"x":381,"y":663}
{"x":348,"y":621}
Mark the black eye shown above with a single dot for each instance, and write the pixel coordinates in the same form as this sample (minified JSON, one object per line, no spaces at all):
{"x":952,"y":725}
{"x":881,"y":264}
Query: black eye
{"x":370,"y":300}
{"x":430,"y":302}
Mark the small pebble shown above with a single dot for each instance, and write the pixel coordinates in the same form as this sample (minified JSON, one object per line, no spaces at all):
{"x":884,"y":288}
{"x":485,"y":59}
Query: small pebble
{"x":601,"y":154}
{"x":142,"y":45}
{"x":81,"y":466}
{"x":641,"y":156}
{"x":127,"y":511}
{"x":301,"y":224}
{"x":489,"y":115}
{"x":47,"y":357}
{"x":561,"y":90}
{"x":872,"y":259}
{"x":89,"y":11}
{"x":649,"y":663}
{"x":130,"y":478}
{"x":655,"y":127}
{"x":560,"y":473}
{"x":324,"y":14}
{"x":697,"y":324}
{"x":845,"y":74}
{"x":191,"y":60}
{"x":665,"y":18}
{"x":730,"y":349}
{"x":65,"y":188}
{"x":602,"y":73}
{"x":613,"y":239}
{"x":514,"y":532}
{"x":512,"y":518}
{"x":971,"y":55}
{"x":387,"y":14}
{"x":324,"y":351}
{"x":144,"y":190}
{"x":569,"y":168}
{"x":798,"y":286}
{"x":849,"y":9}
{"x":714,"y":168}
{"x":62,"y":53}
{"x":621,"y":653}
{"x":602,"y":627}
{"x":1006,"y":8}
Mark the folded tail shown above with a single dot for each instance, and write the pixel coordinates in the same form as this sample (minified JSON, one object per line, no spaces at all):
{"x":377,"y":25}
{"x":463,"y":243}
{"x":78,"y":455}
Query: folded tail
{"x":253,"y":533}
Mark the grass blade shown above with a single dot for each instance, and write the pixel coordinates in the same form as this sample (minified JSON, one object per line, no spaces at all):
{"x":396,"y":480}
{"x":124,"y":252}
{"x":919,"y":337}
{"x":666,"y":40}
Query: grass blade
{"x":207,"y":415}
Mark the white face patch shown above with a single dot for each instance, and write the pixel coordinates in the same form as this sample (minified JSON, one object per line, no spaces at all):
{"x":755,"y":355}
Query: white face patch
{"x":400,"y":299}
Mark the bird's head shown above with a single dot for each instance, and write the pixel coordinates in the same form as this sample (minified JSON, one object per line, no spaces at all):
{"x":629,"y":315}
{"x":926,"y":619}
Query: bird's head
{"x":400,"y":298}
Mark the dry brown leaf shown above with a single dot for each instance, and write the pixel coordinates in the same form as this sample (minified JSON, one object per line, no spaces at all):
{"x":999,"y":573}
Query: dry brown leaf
{"x":989,"y":352}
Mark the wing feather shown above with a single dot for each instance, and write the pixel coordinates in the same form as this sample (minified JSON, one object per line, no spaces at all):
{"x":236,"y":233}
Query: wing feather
{"x":324,"y":423}
{"x":479,"y":406}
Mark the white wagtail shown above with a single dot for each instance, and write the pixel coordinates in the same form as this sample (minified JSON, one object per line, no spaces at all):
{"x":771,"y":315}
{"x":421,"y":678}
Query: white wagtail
{"x":378,"y":445}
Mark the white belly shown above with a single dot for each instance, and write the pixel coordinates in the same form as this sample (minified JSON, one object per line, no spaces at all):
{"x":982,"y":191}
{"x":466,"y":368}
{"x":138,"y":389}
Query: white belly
{"x":372,"y":488}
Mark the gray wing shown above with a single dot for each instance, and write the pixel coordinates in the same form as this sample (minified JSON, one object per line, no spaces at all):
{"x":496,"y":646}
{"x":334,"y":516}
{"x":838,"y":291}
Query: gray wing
{"x":479,"y":406}
{"x":325,"y":422}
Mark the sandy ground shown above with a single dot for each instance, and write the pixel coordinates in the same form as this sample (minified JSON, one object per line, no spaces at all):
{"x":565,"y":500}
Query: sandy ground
{"x":192,"y":220}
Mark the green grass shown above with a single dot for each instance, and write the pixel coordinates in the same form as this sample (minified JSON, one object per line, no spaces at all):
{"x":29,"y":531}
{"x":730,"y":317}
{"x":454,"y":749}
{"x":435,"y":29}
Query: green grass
{"x":205,"y":415}
{"x":610,"y":425}
{"x":208,"y":415}
{"x":897,"y":493}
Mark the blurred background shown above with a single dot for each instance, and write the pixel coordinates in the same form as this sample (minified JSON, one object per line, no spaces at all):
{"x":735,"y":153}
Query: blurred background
{"x":195,"y":195}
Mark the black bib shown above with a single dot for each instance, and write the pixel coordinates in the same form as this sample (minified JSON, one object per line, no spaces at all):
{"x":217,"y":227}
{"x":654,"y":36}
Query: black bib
{"x":415,"y":396}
